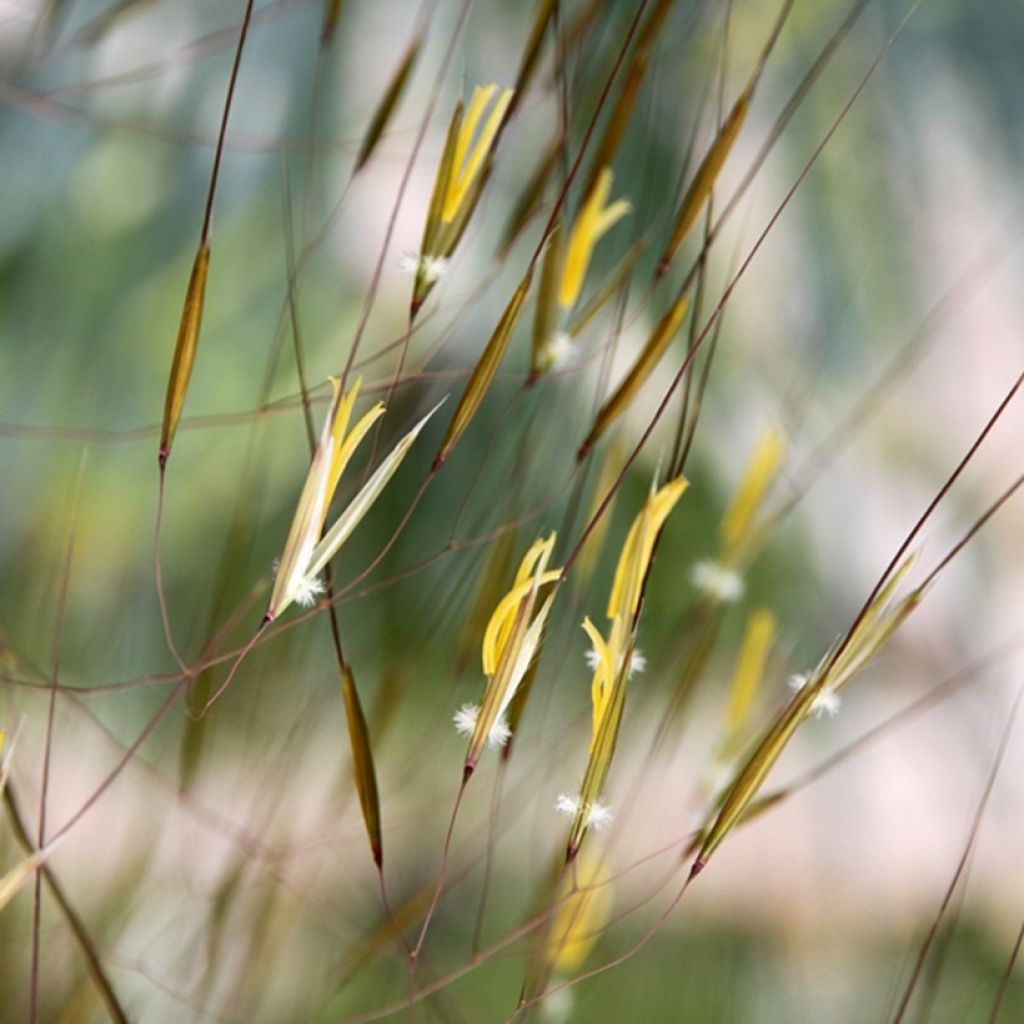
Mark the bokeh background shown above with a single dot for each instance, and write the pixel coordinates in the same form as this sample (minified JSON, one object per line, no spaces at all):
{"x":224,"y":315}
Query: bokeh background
{"x":224,"y":874}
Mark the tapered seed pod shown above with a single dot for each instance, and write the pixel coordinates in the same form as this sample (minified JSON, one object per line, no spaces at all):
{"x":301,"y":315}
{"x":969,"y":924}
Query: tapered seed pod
{"x":638,"y":373}
{"x":184,"y":350}
{"x":707,"y":173}
{"x":484,"y":371}
{"x":388,"y":103}
{"x":362,"y":764}
{"x":841,"y":664}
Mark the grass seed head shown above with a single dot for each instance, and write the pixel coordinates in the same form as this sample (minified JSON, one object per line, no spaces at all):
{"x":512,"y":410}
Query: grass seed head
{"x":595,"y":218}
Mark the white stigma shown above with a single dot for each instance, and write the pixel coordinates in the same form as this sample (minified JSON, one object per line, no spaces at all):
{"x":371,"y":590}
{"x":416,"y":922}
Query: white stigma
{"x":433,"y":268}
{"x":717,"y":581}
{"x":637,"y":661}
{"x":468,"y":715}
{"x":827,"y":702}
{"x":558,"y":350}
{"x":308,"y":589}
{"x":598,"y":814}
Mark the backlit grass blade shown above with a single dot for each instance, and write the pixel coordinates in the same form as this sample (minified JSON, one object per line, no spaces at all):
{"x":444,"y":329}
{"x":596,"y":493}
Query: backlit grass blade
{"x":499,"y":682}
{"x":334,"y":449}
{"x":476,"y":135}
{"x":845,"y":660}
{"x":510,"y":644}
{"x":739,"y":519}
{"x":489,"y":591}
{"x":422,"y":283}
{"x":754,"y":772}
{"x":746,"y":680}
{"x":595,"y":218}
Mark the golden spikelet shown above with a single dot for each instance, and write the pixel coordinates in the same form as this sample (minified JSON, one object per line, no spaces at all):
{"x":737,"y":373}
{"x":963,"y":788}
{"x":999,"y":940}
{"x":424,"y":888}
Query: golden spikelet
{"x":184,"y":350}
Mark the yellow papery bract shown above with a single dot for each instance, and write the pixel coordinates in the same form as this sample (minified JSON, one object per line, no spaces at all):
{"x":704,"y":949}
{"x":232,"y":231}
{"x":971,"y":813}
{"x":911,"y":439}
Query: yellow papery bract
{"x":614,"y":657}
{"x":511,"y":641}
{"x":469,"y":155}
{"x":758,"y":477}
{"x":593,"y":220}
{"x":746,"y":681}
{"x":841,"y":664}
{"x":604,"y":674}
{"x":499,"y":628}
{"x":305,"y":554}
{"x":639,"y":546}
{"x":347,"y":448}
{"x":578,"y":922}
{"x":311,"y":510}
{"x":367,"y":494}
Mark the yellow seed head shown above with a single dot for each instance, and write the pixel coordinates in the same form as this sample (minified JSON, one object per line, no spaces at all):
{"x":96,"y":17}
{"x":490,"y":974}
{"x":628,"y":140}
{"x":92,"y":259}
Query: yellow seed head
{"x":583,"y":914}
{"x":635,"y":557}
{"x":469,"y":153}
{"x":757,"y":479}
{"x":593,"y":220}
{"x":746,"y":681}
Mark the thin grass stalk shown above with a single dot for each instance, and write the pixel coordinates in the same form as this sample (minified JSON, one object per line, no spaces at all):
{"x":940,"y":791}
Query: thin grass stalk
{"x":94,"y":965}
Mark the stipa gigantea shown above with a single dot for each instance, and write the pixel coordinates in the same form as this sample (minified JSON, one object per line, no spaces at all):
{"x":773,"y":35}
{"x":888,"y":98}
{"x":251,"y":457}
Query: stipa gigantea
{"x":458,"y":186}
{"x":511,"y":641}
{"x":748,"y":675}
{"x":844,"y":661}
{"x":583,"y":899}
{"x":564,"y":269}
{"x":576,"y":50}
{"x":720,"y":580}
{"x":741,"y":531}
{"x":184,"y":350}
{"x":306,"y":552}
{"x":596,"y":217}
{"x":614,"y":660}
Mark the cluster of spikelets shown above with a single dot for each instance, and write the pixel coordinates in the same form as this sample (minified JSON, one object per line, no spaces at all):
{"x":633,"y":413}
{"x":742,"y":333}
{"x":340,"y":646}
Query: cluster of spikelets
{"x":513,"y":636}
